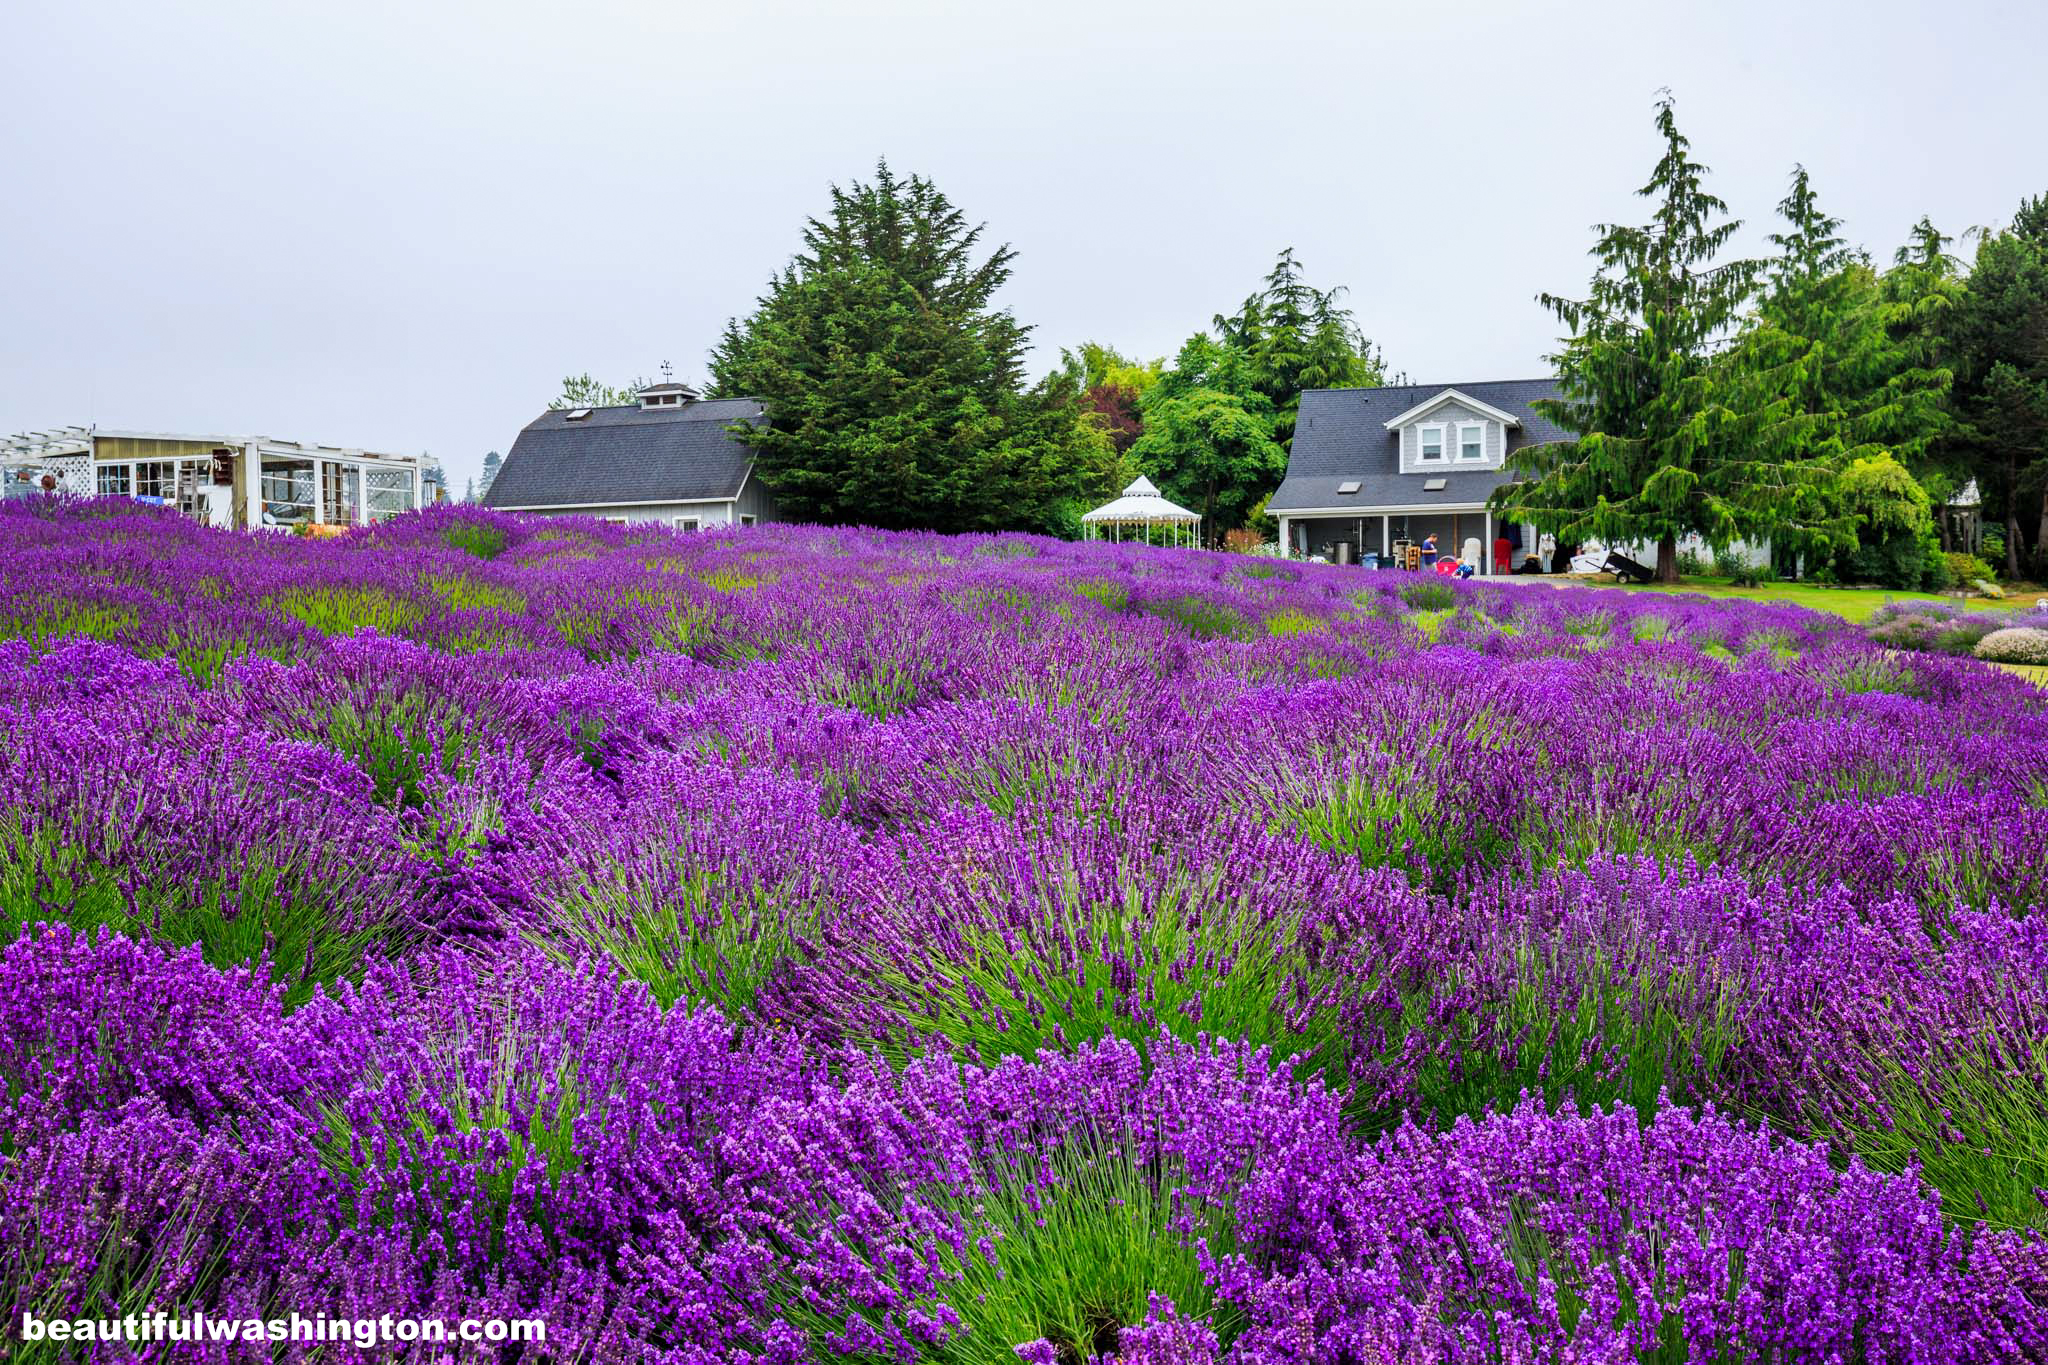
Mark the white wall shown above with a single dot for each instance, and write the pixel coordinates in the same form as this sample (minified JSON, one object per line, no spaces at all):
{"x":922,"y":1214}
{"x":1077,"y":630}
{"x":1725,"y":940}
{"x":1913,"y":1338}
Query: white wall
{"x":708,"y":514}
{"x":1450,"y":416}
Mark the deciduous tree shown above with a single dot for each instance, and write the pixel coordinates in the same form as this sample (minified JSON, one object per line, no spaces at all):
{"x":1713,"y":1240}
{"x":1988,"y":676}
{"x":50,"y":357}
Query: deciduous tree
{"x":1209,"y":439}
{"x":1112,"y":388}
{"x":582,"y":391}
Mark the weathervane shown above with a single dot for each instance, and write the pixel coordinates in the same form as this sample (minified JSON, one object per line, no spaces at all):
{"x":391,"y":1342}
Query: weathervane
{"x":667,"y":373}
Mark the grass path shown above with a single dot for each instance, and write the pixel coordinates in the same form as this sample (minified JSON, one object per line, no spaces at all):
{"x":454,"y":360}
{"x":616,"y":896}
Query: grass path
{"x":1856,"y":604}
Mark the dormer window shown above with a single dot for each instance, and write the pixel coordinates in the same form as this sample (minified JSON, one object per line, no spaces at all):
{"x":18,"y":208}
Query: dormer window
{"x":1471,"y":443}
{"x":1432,"y":451}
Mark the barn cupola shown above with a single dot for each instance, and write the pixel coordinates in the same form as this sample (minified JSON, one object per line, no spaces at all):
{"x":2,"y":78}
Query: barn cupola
{"x":668,"y":393}
{"x":666,"y":396}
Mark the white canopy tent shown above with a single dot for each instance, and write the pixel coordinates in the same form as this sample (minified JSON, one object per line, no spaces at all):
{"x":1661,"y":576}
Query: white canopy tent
{"x":1142,"y":506}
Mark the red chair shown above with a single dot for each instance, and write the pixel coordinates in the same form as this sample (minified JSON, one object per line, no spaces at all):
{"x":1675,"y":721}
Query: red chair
{"x":1503,"y":555}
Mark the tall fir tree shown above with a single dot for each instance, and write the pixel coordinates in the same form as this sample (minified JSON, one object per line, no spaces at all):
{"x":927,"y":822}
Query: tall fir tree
{"x":1917,"y":297}
{"x":2030,"y":224}
{"x":1998,"y":334}
{"x":1821,"y":379}
{"x":895,"y":386}
{"x":1294,"y":336}
{"x":1658,"y":454}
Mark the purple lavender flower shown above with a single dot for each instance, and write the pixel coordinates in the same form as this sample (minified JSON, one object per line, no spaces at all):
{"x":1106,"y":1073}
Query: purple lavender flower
{"x":808,"y":944}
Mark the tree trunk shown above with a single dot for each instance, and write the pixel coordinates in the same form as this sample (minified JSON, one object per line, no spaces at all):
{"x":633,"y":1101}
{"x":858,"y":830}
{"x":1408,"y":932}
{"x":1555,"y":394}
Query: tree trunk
{"x":1947,"y":540}
{"x":2041,"y":539}
{"x":1667,"y":559}
{"x":2012,"y":517}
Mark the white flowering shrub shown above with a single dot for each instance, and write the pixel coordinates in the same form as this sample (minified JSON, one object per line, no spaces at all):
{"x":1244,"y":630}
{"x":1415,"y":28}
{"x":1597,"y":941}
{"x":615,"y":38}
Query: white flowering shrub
{"x":2015,"y":645}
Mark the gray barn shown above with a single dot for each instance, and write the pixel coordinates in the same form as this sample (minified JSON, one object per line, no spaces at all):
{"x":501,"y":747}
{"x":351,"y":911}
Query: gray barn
{"x":668,"y":458}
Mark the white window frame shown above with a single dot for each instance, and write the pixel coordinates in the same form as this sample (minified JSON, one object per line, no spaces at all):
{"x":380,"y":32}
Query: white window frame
{"x":1477,"y":430}
{"x":688,"y":523}
{"x":160,"y":477}
{"x":384,"y":497}
{"x":1422,"y":435}
{"x":289,"y":490}
{"x":339,"y":485}
{"x":746,"y":518}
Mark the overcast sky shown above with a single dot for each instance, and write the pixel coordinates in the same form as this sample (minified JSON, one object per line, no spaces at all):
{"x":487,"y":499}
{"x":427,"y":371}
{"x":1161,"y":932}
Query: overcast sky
{"x":398,"y":225}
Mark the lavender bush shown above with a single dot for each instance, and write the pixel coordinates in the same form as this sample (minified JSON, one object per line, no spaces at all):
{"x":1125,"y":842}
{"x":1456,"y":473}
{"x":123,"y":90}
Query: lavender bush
{"x":796,"y":945}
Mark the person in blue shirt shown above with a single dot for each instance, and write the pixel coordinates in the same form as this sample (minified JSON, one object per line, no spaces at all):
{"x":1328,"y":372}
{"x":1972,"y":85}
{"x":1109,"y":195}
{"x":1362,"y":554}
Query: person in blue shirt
{"x":1429,"y":551}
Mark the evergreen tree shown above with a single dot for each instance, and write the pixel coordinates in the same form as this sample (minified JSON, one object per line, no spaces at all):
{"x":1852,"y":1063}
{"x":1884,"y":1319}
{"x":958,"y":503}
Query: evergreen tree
{"x":1821,"y":379}
{"x":1216,"y":427}
{"x":1918,"y":295}
{"x":1998,"y":333}
{"x":2030,"y":224}
{"x":1926,"y":249}
{"x":894,"y":385}
{"x":1893,"y":542}
{"x":1658,"y":453}
{"x":1293,"y":337}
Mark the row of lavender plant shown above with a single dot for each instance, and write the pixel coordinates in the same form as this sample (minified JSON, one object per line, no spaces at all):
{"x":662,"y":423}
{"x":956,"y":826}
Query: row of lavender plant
{"x":800,"y":945}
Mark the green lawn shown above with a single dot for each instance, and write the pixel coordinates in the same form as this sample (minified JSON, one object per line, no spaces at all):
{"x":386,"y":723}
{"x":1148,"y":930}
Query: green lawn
{"x":1854,"y":603}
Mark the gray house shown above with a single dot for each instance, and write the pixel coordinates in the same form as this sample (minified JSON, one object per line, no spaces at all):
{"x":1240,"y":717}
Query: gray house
{"x":667,"y":458}
{"x":1373,"y":470}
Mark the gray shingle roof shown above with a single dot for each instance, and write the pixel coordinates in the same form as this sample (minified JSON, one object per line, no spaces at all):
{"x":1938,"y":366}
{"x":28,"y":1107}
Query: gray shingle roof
{"x":621,"y":455}
{"x":1340,"y":435}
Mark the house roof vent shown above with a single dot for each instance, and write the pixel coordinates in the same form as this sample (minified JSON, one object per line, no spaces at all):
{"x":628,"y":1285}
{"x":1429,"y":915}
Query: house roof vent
{"x":1433,"y":486}
{"x":576,"y":415}
{"x":1348,"y":486}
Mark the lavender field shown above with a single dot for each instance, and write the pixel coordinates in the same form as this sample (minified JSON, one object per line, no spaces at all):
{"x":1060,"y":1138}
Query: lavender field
{"x":801,"y":945}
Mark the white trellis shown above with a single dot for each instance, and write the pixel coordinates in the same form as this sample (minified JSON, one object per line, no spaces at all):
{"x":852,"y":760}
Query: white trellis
{"x":1141,"y":506}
